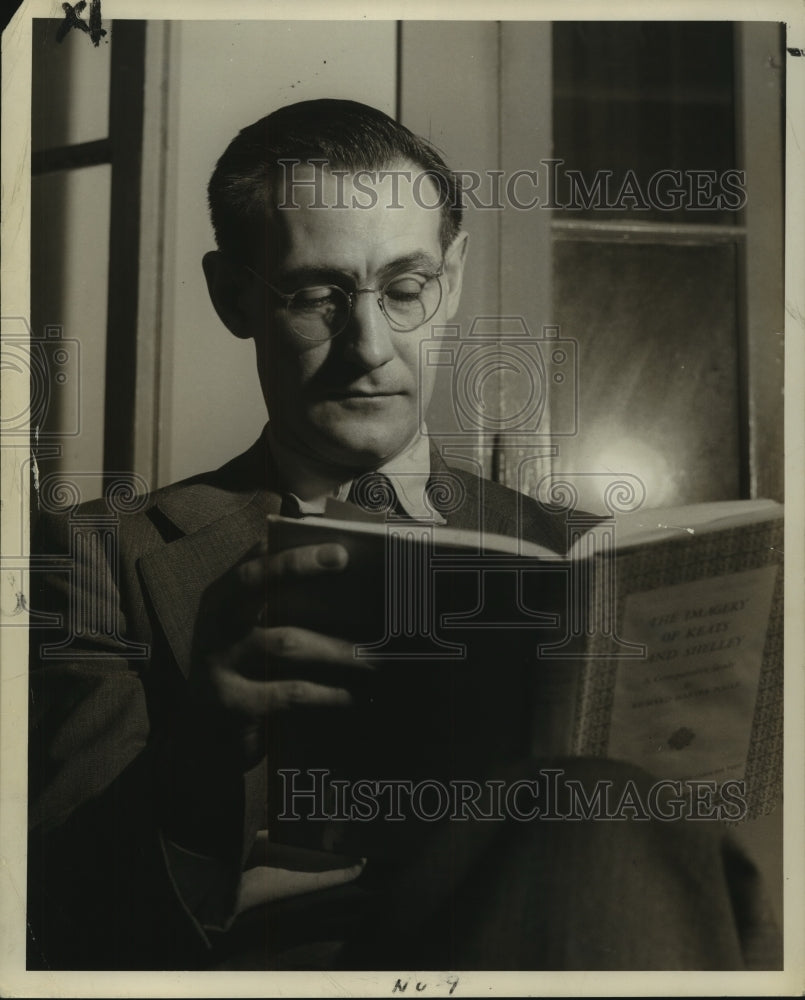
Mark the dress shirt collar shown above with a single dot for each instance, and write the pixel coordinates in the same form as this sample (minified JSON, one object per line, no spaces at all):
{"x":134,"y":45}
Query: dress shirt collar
{"x":408,"y":472}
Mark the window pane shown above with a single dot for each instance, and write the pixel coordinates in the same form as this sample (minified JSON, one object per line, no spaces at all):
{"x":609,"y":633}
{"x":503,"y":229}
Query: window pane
{"x":646,"y":97}
{"x":658,"y":372}
{"x":69,"y":85}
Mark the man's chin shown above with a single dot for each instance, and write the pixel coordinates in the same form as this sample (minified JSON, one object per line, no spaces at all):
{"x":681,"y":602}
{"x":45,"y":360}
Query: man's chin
{"x":362,"y":435}
{"x":361,"y":456}
{"x":361,"y":451}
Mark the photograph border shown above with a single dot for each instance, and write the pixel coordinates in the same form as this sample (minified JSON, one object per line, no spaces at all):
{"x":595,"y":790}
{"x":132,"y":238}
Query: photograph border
{"x":16,"y":108}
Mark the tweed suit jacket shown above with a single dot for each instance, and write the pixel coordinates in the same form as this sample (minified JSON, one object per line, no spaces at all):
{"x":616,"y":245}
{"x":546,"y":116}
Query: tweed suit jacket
{"x":107,"y":675}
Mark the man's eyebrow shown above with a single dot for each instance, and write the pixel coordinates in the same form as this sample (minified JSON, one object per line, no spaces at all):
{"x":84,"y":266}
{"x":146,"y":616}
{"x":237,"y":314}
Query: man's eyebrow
{"x":324,"y":274}
{"x":419,"y":260}
{"x":301,"y":276}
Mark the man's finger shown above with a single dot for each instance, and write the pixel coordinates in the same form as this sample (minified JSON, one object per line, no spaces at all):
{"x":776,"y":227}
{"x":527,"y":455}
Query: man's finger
{"x":265,"y":885}
{"x":299,"y":645}
{"x":306,"y":560}
{"x":243,"y":696}
{"x":283,"y":696}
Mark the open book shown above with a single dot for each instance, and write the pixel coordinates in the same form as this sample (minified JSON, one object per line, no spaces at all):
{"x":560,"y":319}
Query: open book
{"x":657,"y":639}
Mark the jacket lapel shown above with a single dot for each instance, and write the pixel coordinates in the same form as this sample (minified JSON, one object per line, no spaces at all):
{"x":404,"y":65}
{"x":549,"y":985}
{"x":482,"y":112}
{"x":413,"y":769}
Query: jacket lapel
{"x":443,"y":477}
{"x":219,"y":526}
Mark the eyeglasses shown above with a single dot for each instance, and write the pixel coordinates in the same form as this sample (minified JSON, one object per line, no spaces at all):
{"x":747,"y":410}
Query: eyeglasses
{"x":321,"y":312}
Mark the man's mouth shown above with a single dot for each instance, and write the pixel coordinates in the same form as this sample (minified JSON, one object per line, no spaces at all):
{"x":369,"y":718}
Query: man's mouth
{"x":362,"y":394}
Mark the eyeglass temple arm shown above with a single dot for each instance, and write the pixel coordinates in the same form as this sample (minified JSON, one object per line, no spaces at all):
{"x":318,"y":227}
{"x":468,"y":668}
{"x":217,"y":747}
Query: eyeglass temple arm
{"x":286,"y":298}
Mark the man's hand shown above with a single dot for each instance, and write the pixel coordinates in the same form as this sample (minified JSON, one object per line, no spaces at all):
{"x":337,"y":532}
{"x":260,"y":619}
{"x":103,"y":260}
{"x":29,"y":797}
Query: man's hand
{"x":244,"y":672}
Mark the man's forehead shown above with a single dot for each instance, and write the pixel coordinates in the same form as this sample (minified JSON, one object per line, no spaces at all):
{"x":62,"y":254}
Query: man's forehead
{"x":317,"y":184}
{"x":355,"y":219}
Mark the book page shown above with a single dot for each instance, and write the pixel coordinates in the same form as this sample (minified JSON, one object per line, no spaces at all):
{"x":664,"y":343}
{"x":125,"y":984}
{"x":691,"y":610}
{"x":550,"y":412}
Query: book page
{"x":685,"y":712}
{"x":641,"y":527}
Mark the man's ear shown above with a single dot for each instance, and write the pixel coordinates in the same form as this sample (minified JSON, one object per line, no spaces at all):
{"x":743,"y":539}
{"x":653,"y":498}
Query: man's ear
{"x":454,"y":271}
{"x":229,"y":288}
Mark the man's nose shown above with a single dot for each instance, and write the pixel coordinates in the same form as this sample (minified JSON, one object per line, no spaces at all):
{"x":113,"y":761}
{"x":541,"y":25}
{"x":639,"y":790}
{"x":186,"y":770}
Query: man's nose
{"x":367,"y":337}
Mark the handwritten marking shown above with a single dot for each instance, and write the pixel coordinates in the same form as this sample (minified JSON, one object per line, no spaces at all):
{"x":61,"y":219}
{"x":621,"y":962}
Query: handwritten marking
{"x":72,"y":20}
{"x":401,"y":986}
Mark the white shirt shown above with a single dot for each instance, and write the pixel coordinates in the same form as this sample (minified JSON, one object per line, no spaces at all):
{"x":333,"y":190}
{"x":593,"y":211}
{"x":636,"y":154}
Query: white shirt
{"x":408,"y":472}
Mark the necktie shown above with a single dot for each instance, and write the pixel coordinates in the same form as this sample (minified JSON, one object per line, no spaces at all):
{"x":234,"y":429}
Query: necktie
{"x":374,"y":493}
{"x":289,"y":506}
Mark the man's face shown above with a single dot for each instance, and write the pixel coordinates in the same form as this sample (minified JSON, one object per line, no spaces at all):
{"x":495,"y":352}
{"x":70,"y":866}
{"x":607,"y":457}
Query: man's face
{"x":355,"y":400}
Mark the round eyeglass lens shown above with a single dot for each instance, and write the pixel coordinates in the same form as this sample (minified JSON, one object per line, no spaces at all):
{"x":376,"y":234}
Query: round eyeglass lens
{"x":322,"y":312}
{"x":319,"y":313}
{"x":411,"y":300}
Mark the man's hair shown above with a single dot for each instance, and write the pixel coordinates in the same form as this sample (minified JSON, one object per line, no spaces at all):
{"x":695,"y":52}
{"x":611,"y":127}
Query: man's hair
{"x":347,"y":135}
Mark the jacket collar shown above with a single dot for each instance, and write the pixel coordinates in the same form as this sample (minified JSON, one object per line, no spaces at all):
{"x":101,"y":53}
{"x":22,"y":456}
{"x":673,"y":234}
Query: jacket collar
{"x":250,"y":480}
{"x":195,"y":503}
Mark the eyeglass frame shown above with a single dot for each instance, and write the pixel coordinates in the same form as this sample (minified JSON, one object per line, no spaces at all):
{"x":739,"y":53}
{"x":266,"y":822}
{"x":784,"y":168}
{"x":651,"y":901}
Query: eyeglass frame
{"x":288,"y":298}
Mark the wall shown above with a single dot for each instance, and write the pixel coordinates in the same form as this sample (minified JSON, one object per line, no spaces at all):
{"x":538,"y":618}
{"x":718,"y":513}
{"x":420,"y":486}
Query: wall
{"x":70,"y":251}
{"x":222,"y":76}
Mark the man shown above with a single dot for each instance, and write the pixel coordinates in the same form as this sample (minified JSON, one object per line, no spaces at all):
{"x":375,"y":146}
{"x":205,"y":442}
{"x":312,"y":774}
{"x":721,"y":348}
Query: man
{"x":154,"y":718}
